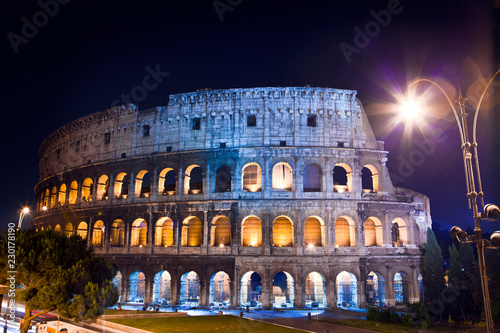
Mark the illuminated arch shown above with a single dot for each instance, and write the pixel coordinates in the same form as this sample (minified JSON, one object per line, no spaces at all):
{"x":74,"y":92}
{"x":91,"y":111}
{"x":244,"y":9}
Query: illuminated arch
{"x":344,"y":232}
{"x":283,"y":232}
{"x":401,"y":288}
{"x":167,"y":182}
{"x":68,"y":230}
{"x":117,"y":233}
{"x":191,"y":232}
{"x":252,"y":177}
{"x":103,"y":188}
{"x":315,"y":291}
{"x":62,"y":195}
{"x":250,"y":289}
{"x":87,"y":189}
{"x":190,"y":289}
{"x":375,"y":289}
{"x":342,"y":178}
{"x":220,"y":289}
{"x":139,"y":233}
{"x":121,"y":186}
{"x":98,"y":234}
{"x":373,"y":232}
{"x":314,"y":232}
{"x":369,"y":179}
{"x":161,"y":288}
{"x":46,"y":198}
{"x":399,"y":232}
{"x":57,"y":228}
{"x":283,"y":290}
{"x":53,"y":197}
{"x":73,"y":192}
{"x":251,"y":231}
{"x":282,"y":177}
{"x":164,"y":232}
{"x":142,"y":184}
{"x":137,"y":285}
{"x":312,"y":178}
{"x":193,"y":180}
{"x":220,"y":232}
{"x":82,"y":230}
{"x":347,"y":290}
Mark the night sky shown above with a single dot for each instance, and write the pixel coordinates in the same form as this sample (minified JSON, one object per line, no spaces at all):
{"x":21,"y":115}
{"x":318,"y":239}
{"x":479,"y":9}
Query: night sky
{"x":86,"y":54}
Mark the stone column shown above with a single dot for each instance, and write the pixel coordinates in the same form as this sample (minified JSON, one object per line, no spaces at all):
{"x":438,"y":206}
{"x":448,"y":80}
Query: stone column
{"x":131,"y":187}
{"x":107,"y":234}
{"x":90,"y":234}
{"x":332,"y":290}
{"x":124,"y":289}
{"x":153,"y":191}
{"x":148,"y":286}
{"x":206,"y":227}
{"x":390,"y":297}
{"x":299,"y":241}
{"x":111,"y":188}
{"x":267,"y":232}
{"x":386,"y":230}
{"x":151,"y":227}
{"x":299,"y":290}
{"x":94,"y":190}
{"x":235,"y":289}
{"x":361,"y":292}
{"x":266,"y":289}
{"x":204,"y":289}
{"x":128,"y":231}
{"x":174,"y":290}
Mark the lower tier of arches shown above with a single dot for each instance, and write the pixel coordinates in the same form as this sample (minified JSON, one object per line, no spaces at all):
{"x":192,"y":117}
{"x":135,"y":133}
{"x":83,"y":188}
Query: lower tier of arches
{"x":269,"y":282}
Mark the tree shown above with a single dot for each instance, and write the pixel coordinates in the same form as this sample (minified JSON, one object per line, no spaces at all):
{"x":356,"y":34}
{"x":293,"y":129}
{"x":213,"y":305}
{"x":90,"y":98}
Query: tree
{"x":433,"y":275}
{"x":55,"y":272}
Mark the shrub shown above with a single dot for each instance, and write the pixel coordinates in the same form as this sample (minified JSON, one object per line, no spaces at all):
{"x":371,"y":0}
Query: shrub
{"x":385,"y":316}
{"x":395,"y":318}
{"x":407,"y":320}
{"x":373,"y":314}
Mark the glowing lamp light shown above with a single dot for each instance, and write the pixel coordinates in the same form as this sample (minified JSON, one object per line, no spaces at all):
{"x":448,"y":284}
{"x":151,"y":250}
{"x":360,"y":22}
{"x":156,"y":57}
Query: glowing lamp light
{"x":44,"y":208}
{"x":26,"y":210}
{"x":221,"y":245}
{"x":140,"y":245}
{"x":336,"y":245}
{"x":410,"y":110}
{"x":310,"y":245}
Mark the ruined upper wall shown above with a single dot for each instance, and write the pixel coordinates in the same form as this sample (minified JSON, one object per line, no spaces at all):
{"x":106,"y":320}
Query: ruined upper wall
{"x":281,"y":117}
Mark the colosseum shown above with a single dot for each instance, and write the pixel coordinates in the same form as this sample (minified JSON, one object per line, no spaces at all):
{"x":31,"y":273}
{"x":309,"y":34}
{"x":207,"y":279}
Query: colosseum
{"x":261,"y":197}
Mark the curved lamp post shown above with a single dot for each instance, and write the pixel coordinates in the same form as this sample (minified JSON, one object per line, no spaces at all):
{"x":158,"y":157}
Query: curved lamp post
{"x":491,"y":212}
{"x":23,"y":212}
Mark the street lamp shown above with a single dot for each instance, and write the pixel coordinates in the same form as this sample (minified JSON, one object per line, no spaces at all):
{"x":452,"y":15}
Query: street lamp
{"x":23,"y":212}
{"x":491,"y":212}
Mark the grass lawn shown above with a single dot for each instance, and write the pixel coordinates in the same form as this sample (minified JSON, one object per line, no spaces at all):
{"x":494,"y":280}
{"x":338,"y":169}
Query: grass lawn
{"x":219,"y":324}
{"x":117,"y":312}
{"x":383,"y":327}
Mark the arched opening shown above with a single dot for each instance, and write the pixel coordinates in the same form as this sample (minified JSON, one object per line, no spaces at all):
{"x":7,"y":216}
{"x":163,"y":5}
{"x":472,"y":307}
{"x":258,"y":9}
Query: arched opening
{"x":312,"y":178}
{"x":193,"y":180}
{"x":137,"y":283}
{"x":251,"y":231}
{"x":167,"y":183}
{"x":342,"y":178}
{"x":373,"y":232}
{"x":347,"y":290}
{"x":251,"y":289}
{"x":375,"y":290}
{"x":252,"y":177}
{"x":87,"y":189}
{"x":62,"y":195}
{"x":73,"y":192}
{"x":46,"y":198}
{"x":103,"y":188}
{"x":117,"y":281}
{"x":315,"y":291}
{"x":223,"y":179}
{"x":220,"y":289}
{"x":57,"y":228}
{"x":139,"y":233}
{"x":190,"y":289}
{"x":121,"y":186}
{"x":344,"y":232}
{"x":53,"y":197}
{"x":220,"y":232}
{"x":117,"y":234}
{"x":191,"y":232}
{"x":401,"y":288}
{"x":282,"y":177}
{"x":282,"y":232}
{"x":68,"y":230}
{"x":142,"y":184}
{"x":161,"y":288}
{"x":82,"y":230}
{"x":164,"y":233}
{"x":369,"y":179}
{"x":399,"y":233}
{"x":283,"y":292}
{"x":98,"y":234}
{"x":314,"y":232}
{"x":49,"y":228}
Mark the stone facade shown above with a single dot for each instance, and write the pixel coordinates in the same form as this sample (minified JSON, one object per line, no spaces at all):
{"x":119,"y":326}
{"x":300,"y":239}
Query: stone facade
{"x":289,"y":183}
